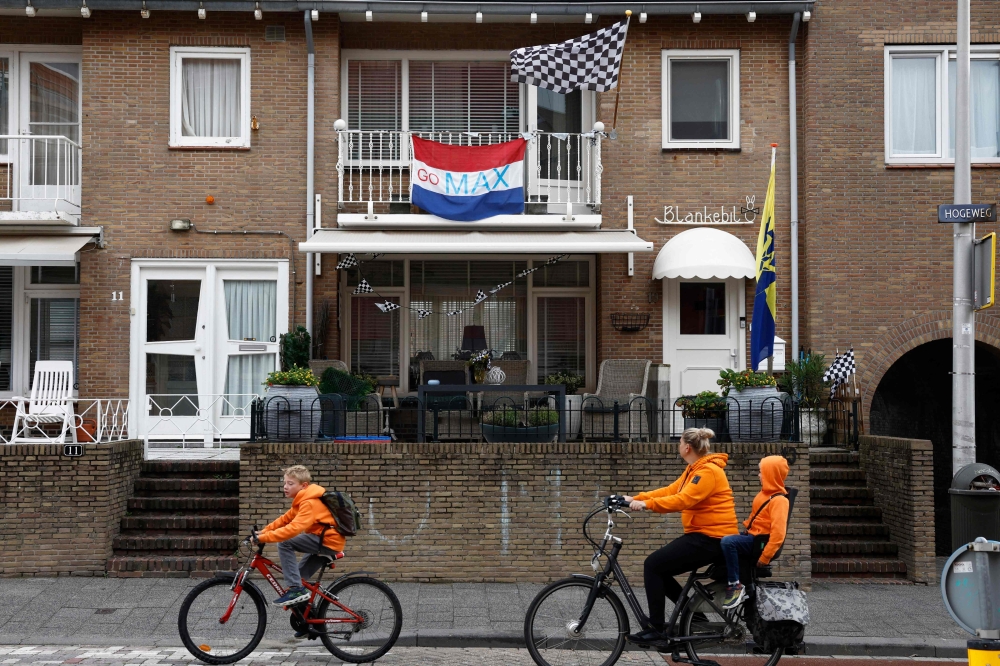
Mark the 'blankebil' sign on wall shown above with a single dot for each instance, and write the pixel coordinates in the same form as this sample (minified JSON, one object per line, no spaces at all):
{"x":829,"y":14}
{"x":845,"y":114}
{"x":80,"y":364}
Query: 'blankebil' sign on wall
{"x":715,"y":215}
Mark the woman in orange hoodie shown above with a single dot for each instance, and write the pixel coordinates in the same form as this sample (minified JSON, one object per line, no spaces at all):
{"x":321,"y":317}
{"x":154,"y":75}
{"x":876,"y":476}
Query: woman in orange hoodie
{"x":765,"y":528}
{"x":705,"y":501}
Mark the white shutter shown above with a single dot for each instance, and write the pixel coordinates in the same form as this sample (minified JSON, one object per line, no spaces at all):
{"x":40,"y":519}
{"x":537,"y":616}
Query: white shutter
{"x":462,"y":97}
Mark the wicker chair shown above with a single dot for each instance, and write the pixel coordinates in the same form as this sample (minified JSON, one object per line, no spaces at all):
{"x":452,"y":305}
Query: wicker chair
{"x":517,"y":374}
{"x":623,"y":381}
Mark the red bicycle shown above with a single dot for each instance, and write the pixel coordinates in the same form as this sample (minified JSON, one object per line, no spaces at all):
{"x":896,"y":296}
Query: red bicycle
{"x":223,"y":619}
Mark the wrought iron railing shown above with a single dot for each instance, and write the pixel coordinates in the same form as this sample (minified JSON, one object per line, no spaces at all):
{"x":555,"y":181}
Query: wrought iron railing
{"x":92,"y":420}
{"x":39,"y":173}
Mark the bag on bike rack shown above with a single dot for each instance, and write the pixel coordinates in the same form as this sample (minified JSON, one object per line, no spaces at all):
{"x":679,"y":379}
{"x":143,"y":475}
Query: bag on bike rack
{"x":781,"y":615}
{"x":344,"y":512}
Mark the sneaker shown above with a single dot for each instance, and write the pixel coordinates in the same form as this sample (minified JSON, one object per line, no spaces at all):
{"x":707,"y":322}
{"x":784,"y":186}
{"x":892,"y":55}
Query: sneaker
{"x":301,"y":634}
{"x":295,"y":595}
{"x":735,"y":595}
{"x":646,"y":637}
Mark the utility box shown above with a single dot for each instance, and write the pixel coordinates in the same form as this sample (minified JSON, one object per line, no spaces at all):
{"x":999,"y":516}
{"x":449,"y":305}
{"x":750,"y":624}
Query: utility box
{"x":975,"y":505}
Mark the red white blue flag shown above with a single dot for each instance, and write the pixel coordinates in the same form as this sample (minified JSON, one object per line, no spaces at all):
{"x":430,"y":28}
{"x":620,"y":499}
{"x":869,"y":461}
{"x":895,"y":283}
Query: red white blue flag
{"x":468,"y":183}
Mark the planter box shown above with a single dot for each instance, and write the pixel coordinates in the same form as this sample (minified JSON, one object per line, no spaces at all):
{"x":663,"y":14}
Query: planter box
{"x":498,"y":434}
{"x":292,"y":413}
{"x":755,"y":414}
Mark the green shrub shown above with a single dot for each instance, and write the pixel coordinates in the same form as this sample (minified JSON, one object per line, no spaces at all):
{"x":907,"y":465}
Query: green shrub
{"x":803,"y":380}
{"x":295,"y":348}
{"x":515,"y":418}
{"x":295,"y":377}
{"x":742,"y":379}
{"x":705,"y":405}
{"x":572,"y":381}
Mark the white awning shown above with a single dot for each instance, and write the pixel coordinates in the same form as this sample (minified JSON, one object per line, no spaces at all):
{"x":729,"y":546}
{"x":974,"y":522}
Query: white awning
{"x":704,"y":253}
{"x":474,"y":242}
{"x":41,"y":250}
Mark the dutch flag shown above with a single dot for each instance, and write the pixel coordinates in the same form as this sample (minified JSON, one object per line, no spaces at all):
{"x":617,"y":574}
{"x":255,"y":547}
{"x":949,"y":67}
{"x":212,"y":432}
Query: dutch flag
{"x":467,"y":183}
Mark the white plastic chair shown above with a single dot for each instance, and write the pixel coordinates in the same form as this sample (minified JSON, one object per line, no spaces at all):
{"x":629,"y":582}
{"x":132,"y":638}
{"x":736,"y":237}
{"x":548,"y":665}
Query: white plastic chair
{"x":51,"y":402}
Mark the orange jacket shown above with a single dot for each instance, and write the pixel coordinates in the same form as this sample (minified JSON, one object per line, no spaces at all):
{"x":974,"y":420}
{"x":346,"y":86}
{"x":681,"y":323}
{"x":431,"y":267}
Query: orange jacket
{"x":774,"y":517}
{"x":308,"y":514}
{"x":702,"y":495}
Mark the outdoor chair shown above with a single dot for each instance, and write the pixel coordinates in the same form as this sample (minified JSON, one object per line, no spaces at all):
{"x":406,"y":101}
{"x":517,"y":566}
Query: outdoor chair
{"x":51,"y":403}
{"x":623,"y":381}
{"x":517,"y":375}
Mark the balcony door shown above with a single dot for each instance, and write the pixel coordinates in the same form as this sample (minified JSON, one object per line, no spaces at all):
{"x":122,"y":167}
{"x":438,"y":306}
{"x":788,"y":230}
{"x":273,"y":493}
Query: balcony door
{"x":50,"y":106}
{"x":207,"y":338}
{"x":562,"y":158}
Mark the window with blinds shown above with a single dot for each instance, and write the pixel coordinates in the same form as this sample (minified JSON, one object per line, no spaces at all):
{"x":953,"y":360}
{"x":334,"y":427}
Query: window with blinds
{"x":462,"y":97}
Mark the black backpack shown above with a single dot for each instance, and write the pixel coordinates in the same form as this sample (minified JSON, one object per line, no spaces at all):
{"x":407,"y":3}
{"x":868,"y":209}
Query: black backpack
{"x":344,"y":512}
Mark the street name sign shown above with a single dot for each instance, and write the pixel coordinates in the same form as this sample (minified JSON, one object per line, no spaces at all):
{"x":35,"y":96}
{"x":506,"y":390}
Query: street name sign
{"x":965,"y":213}
{"x":985,"y":267}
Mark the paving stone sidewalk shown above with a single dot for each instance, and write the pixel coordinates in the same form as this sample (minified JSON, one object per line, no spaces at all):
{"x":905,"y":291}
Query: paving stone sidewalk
{"x":872,"y":619}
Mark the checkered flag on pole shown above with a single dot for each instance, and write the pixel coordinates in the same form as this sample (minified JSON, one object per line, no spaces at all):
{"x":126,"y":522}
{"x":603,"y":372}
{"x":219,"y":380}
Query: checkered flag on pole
{"x":591,"y":62}
{"x":363,"y":288}
{"x":840,"y":370}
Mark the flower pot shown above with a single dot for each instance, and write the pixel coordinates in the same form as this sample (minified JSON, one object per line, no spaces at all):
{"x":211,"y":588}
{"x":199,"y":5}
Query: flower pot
{"x":497,"y":434}
{"x":755,"y":414}
{"x":812,"y":425}
{"x":292,"y":413}
{"x":574,"y":413}
{"x":718,"y":424}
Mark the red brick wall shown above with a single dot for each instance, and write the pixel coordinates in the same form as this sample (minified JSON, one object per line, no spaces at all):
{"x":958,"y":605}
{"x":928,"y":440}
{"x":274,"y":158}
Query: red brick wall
{"x":875,"y":259}
{"x":61,"y":514}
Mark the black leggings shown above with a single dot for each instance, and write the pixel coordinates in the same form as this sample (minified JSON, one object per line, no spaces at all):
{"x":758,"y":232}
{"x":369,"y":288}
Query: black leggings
{"x":683,"y":554}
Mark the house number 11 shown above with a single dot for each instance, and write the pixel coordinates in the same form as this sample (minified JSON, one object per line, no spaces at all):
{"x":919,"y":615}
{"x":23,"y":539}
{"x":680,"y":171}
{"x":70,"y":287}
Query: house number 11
{"x":117,"y":296}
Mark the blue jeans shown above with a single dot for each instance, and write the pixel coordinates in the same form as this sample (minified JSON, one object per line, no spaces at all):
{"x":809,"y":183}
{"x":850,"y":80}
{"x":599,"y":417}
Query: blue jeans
{"x":292,"y":570}
{"x":733,"y":546}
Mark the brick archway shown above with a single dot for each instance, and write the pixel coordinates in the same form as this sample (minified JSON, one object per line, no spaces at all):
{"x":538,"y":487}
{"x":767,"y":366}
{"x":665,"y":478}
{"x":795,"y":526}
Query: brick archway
{"x":907,"y":335}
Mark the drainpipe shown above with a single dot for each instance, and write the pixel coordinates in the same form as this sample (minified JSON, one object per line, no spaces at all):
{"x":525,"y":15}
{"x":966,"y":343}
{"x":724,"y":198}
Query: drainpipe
{"x":793,"y":157}
{"x":310,"y":197}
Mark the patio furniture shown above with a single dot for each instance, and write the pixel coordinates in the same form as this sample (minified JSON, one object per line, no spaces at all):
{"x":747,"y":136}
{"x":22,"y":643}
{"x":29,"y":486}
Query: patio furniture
{"x":622,"y":381}
{"x":50,"y":403}
{"x":517,"y":374}
{"x":319,"y":366}
{"x":390,"y":382}
{"x":451,"y":410}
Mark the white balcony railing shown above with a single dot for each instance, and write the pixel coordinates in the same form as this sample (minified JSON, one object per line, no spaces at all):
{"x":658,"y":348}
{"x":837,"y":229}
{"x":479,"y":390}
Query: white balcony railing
{"x":93,"y":419}
{"x":39,"y":174}
{"x":373,"y":166}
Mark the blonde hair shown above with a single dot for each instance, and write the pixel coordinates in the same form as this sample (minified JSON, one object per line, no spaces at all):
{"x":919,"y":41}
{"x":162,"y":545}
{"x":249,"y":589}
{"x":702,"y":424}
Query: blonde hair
{"x":698,"y":439}
{"x":299,"y":473}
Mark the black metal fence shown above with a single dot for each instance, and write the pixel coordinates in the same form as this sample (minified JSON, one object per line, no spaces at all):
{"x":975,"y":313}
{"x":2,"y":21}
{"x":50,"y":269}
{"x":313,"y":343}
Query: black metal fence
{"x":525,"y":415}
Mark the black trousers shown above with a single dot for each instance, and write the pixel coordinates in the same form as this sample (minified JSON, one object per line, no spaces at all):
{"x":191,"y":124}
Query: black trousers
{"x":683,"y":554}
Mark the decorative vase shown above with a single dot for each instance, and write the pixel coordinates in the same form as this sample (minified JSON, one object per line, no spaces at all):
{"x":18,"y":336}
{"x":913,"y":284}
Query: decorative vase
{"x":574,"y":412}
{"x":496,"y":375}
{"x":755,"y":414}
{"x":292,"y":413}
{"x":479,"y":373}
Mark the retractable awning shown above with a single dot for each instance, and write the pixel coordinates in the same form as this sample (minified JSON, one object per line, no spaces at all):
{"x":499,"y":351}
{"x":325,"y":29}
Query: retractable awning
{"x":43,"y":250}
{"x":474,"y":242}
{"x":704,"y":253}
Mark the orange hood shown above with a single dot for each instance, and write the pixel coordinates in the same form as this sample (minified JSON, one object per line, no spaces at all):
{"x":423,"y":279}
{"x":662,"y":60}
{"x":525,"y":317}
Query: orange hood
{"x":717,"y":459}
{"x":773,"y":472}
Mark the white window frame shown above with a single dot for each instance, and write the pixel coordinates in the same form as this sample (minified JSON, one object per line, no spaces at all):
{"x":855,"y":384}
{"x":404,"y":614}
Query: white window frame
{"x":733,"y":56}
{"x":943,"y":55}
{"x":177,"y":55}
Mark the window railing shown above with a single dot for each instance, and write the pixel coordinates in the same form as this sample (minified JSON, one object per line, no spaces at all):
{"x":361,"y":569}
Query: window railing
{"x":39,"y":174}
{"x":373,"y":166}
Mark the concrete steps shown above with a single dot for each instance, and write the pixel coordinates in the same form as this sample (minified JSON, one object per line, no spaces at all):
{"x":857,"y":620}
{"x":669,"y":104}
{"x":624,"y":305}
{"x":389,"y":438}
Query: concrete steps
{"x":849,"y":539}
{"x":183,"y":520}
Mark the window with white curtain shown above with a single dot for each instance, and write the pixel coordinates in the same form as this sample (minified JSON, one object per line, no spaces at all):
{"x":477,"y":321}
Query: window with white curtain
{"x":251,"y":314}
{"x":430,"y":92}
{"x":921,"y":87}
{"x":209,"y":97}
{"x":700,"y":98}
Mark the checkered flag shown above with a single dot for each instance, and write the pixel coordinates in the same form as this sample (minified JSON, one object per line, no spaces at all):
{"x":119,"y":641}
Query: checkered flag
{"x":840,"y":370}
{"x":363,"y":288}
{"x":555,"y":260}
{"x":350,"y":261}
{"x":499,"y":287}
{"x":421,"y":314}
{"x":455,"y":312}
{"x":590,"y":62}
{"x":480,"y":296}
{"x":388,"y":306}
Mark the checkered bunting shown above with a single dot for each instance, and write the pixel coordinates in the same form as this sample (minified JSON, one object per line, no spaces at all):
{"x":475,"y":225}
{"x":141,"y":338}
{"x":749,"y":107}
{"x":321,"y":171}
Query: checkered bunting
{"x":480,"y":296}
{"x":555,"y":260}
{"x":363,"y":288}
{"x":527,"y":271}
{"x":350,"y":261}
{"x":500,"y":286}
{"x":591,"y":62}
{"x":421,"y":314}
{"x":455,"y":312}
{"x":840,"y":370}
{"x":376,"y":255}
{"x":388,"y":306}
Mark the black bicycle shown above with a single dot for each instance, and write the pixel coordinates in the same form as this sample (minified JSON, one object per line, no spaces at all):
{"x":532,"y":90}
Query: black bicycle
{"x":581,"y":621}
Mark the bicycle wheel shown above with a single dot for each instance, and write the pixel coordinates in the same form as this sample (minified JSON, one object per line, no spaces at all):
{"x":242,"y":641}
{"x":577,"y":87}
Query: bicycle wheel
{"x":735,"y":648}
{"x":549,"y":626}
{"x":209,"y":639}
{"x":362,"y":641}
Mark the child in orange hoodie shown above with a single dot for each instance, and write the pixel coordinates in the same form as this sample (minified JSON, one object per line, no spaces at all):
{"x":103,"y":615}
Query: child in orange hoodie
{"x":765,"y":528}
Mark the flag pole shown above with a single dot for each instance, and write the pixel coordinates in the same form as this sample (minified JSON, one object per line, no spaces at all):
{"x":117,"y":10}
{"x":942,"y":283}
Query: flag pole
{"x":621,"y":76}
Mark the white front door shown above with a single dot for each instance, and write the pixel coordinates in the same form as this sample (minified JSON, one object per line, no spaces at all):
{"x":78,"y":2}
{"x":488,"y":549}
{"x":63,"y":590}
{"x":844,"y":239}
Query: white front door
{"x":207,"y":336}
{"x":703,"y":332}
{"x":51,"y":104}
{"x":560,"y":156}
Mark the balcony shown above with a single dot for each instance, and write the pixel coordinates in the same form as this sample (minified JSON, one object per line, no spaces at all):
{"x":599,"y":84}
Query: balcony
{"x":39,"y":180}
{"x":562,"y":188}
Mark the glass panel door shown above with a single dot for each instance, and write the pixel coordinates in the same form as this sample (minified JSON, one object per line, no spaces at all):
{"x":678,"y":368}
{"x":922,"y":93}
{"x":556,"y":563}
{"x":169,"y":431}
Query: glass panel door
{"x":54,"y":333}
{"x":562,"y":336}
{"x":251,"y":340}
{"x":51,"y":106}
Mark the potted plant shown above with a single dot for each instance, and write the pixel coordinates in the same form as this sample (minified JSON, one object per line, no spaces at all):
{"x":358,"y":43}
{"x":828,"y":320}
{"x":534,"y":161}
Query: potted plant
{"x":289,"y":404}
{"x":803,"y":380}
{"x":519,"y":426}
{"x":479,"y":364}
{"x":756,"y":411}
{"x":294,"y":347}
{"x":574,"y":402}
{"x":705,"y":410}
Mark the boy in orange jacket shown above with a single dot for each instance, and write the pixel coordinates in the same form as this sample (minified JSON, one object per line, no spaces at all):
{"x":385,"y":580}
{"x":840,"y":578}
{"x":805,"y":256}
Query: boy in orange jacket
{"x":765,"y":528}
{"x":306,"y":528}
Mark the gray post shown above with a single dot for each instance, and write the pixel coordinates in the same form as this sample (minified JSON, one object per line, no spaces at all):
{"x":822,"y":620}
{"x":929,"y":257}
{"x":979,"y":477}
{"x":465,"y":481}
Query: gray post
{"x":963,"y":405}
{"x":793,"y":187}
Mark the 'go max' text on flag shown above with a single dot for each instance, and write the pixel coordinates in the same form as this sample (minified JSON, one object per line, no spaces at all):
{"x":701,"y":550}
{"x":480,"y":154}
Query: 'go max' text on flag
{"x":458,"y":183}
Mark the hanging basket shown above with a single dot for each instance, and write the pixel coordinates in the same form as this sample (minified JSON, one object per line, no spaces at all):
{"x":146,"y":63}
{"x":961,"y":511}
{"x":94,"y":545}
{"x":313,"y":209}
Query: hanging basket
{"x":629,"y":321}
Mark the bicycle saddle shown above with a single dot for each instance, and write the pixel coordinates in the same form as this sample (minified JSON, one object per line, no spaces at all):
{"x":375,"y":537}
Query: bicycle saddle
{"x":330,"y":556}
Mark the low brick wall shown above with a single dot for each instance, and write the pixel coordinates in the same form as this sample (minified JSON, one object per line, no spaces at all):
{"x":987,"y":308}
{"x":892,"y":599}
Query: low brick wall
{"x":59,"y":513}
{"x":900,"y":473}
{"x":501,"y":512}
